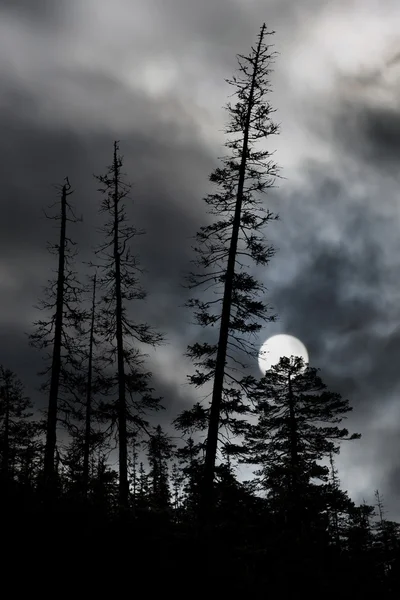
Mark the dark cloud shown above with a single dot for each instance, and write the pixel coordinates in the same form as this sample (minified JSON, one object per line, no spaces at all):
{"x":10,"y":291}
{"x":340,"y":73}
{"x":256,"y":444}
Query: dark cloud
{"x":371,"y":131}
{"x":33,"y":9}
{"x":382,"y":131}
{"x":342,"y":300}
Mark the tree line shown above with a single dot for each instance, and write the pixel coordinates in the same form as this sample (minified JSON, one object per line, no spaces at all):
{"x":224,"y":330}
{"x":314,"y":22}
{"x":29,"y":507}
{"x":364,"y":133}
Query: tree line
{"x":289,"y":526}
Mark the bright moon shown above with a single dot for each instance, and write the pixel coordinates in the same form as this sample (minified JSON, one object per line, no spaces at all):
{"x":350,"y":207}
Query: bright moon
{"x":277,"y":347}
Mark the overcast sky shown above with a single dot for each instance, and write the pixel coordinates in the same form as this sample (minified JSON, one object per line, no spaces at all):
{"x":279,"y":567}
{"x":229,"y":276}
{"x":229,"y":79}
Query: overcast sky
{"x":151,"y":74}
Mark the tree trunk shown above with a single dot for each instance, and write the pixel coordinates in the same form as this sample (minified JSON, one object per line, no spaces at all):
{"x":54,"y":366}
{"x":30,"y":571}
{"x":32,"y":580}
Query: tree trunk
{"x":293,"y":436}
{"x":213,"y":428}
{"x":88,"y":416}
{"x":294,"y":512}
{"x":122,"y":430}
{"x":51,"y":430}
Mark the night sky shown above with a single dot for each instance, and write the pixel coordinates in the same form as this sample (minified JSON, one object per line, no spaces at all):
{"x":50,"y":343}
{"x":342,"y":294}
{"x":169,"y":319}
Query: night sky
{"x":151,"y":73}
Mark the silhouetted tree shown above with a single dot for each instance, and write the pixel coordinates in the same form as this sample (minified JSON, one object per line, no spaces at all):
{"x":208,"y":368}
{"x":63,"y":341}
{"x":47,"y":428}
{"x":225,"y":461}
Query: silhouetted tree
{"x":231,"y":496}
{"x":386,"y":539}
{"x":337,"y":503}
{"x":88,"y":385}
{"x":159,"y":453}
{"x":17,"y":431}
{"x":73,"y":468}
{"x":360,"y":542}
{"x":119,"y":271}
{"x":88,"y":441}
{"x":191,"y":455}
{"x":57,"y":332}
{"x":134,"y":477}
{"x":297,"y":427}
{"x":230,"y":245}
{"x":143,"y":489}
{"x":105,"y":488}
{"x":177,"y":481}
{"x":30,"y":454}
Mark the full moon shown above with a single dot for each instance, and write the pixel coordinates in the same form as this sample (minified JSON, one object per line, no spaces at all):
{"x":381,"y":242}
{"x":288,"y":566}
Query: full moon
{"x":277,"y":347}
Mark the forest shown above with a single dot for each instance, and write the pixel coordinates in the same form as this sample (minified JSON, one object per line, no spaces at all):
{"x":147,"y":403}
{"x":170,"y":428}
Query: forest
{"x":95,"y":477}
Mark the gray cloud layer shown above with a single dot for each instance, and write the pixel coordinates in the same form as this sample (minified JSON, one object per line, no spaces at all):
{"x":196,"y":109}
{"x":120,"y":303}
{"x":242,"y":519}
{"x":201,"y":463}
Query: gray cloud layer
{"x":75,"y":78}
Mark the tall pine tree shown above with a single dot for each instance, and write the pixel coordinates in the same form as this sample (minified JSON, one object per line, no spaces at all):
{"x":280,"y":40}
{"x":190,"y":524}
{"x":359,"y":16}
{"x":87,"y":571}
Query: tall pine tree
{"x":57,"y":330}
{"x":16,"y":429}
{"x":119,"y":271}
{"x":228,"y":250}
{"x":159,"y":453}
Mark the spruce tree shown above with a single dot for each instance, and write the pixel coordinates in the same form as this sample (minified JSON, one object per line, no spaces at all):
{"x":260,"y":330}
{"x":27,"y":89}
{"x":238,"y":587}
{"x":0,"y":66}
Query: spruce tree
{"x":191,"y":456}
{"x":159,"y":453}
{"x":297,"y":428}
{"x":57,"y":330}
{"x":386,"y":540}
{"x":230,"y":248}
{"x":118,"y":279}
{"x":93,"y":385}
{"x":88,"y":438}
{"x":105,"y":488}
{"x":88,"y":385}
{"x":191,"y":460}
{"x":337,"y":503}
{"x":134,"y":474}
{"x":143,"y":489}
{"x":177,"y":481}
{"x":17,"y":431}
{"x":360,"y":545}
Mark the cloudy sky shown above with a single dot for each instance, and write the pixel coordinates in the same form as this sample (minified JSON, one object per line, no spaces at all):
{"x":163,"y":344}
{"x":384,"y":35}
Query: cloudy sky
{"x":77,"y":74}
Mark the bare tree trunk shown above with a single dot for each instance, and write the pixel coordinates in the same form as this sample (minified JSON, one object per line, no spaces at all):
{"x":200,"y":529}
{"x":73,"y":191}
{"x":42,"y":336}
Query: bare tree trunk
{"x":383,"y":530}
{"x":88,"y":415}
{"x":293,"y":436}
{"x":122,"y":429}
{"x":294,"y":512}
{"x":213,"y":427}
{"x":51,"y":430}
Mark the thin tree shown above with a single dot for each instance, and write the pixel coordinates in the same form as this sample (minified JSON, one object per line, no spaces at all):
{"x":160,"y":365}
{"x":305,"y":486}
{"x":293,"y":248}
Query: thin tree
{"x":134,"y":471}
{"x":231,"y":244}
{"x":119,"y":272}
{"x":383,"y":529}
{"x":177,"y":481}
{"x":89,"y":391}
{"x":143,"y":492}
{"x":334,"y":513}
{"x":191,"y":457}
{"x":61,"y":299}
{"x":15,"y":431}
{"x":159,"y":452}
{"x":87,"y":386}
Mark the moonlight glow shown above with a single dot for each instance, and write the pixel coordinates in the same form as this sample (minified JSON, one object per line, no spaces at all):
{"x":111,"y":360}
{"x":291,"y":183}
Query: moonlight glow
{"x":279,"y":346}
